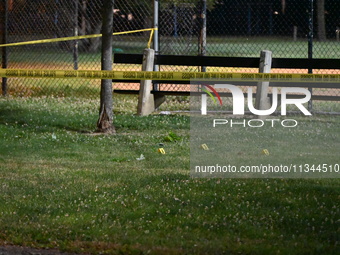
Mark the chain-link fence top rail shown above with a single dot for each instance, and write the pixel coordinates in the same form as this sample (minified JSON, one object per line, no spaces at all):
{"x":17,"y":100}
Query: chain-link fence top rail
{"x":194,"y":27}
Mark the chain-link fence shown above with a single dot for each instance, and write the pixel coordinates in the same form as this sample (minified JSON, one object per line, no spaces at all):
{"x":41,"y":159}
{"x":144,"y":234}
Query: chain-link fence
{"x":243,"y":28}
{"x":288,"y":28}
{"x":41,"y":19}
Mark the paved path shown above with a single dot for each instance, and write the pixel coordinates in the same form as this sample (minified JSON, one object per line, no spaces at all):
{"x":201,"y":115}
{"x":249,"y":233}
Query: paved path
{"x":17,"y":250}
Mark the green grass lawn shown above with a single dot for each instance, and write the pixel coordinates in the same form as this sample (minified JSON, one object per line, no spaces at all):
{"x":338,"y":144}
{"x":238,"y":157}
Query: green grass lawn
{"x":281,"y":47}
{"x":62,"y":187}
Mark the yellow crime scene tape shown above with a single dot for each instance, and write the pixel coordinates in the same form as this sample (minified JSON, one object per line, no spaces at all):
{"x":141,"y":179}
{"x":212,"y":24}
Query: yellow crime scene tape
{"x":145,"y":75}
{"x":169,"y":76}
{"x":80,"y":37}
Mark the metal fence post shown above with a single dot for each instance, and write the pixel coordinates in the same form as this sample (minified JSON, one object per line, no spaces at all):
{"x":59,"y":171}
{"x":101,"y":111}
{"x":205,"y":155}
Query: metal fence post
{"x":175,"y":21}
{"x":56,"y":19}
{"x":203,"y":33}
{"x":75,"y":27}
{"x":155,"y":36}
{"x":310,"y":44}
{"x":4,"y":41}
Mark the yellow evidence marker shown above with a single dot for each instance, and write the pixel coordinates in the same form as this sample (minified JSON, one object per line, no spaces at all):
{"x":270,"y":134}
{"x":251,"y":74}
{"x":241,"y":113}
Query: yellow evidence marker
{"x":161,"y":149}
{"x":265,"y":152}
{"x":205,"y":147}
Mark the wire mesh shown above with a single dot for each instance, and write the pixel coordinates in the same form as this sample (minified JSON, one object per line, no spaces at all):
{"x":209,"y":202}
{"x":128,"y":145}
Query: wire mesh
{"x":45,"y":19}
{"x":290,"y":29}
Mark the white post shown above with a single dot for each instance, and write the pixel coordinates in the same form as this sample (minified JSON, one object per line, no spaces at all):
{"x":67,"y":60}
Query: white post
{"x":204,"y":104}
{"x":262,"y":101}
{"x":146,"y":103}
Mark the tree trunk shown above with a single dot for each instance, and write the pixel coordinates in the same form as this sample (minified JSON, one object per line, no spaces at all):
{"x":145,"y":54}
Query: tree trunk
{"x":321,"y":20}
{"x":94,"y":43}
{"x":104,"y":123}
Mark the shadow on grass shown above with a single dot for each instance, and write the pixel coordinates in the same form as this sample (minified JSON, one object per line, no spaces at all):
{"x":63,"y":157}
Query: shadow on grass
{"x":41,"y":121}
